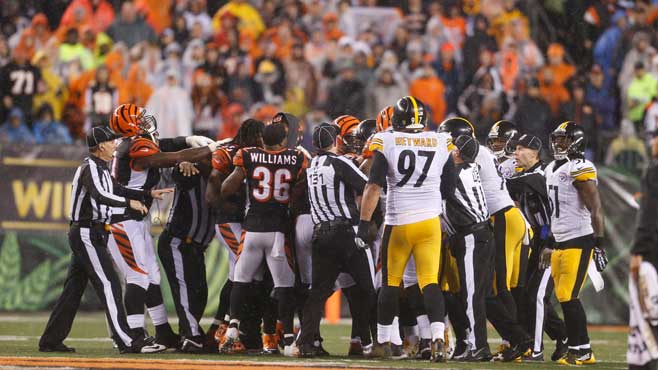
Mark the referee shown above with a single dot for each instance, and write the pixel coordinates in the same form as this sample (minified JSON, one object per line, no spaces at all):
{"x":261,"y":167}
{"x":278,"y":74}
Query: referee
{"x":467,"y":214}
{"x":94,"y":196}
{"x":333,"y":184}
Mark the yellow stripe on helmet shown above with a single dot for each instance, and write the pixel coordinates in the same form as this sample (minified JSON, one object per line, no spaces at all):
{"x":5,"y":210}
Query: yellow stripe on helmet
{"x":413,"y":101}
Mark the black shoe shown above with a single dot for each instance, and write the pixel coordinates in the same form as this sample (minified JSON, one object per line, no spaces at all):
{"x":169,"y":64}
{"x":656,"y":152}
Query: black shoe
{"x":516,"y":352}
{"x":480,"y":355}
{"x":170,"y":340}
{"x":319,"y":351}
{"x":561,"y":349}
{"x":306,"y":350}
{"x":397,"y":352}
{"x":144,"y":345}
{"x":424,"y":349}
{"x":461,"y":351}
{"x":438,"y":351}
{"x":381,"y":350}
{"x":194,"y":344}
{"x":61,"y":347}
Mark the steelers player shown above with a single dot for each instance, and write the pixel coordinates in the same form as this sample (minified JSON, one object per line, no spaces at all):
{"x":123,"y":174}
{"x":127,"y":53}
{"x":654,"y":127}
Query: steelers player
{"x":577,"y":225}
{"x":511,"y":239}
{"x":502,"y":142}
{"x":409,"y":162}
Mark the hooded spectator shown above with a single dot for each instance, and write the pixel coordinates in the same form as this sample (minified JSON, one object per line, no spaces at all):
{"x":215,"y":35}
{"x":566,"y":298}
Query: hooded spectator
{"x":599,"y":94}
{"x":249,"y":18}
{"x":130,"y":28}
{"x":36,"y":36}
{"x":560,"y":70}
{"x":642,"y":52}
{"x":387,"y":87}
{"x":136,"y":88}
{"x":97,"y":14}
{"x":642,"y":89}
{"x":172,"y":107}
{"x":207,"y":102}
{"x":554,"y":93}
{"x":450,"y":72}
{"x":233,"y":116}
{"x":196,"y":13}
{"x":15,"y":131}
{"x":47,"y":130}
{"x":347,"y":94}
{"x":72,"y":49}
{"x":606,"y":49}
{"x":300,"y":74}
{"x":55,"y":91}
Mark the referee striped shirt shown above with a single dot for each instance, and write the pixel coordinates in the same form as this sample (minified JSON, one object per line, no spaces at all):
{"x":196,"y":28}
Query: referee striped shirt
{"x":333,"y":184}
{"x":95,"y":196}
{"x":465,"y":204}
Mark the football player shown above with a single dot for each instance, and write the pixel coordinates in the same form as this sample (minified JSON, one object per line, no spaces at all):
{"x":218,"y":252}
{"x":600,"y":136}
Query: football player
{"x":136,"y":165}
{"x":270,"y":173}
{"x":511,"y":238}
{"x":577,"y":225}
{"x":502,"y":143}
{"x":409,"y":161}
{"x":230,"y":212}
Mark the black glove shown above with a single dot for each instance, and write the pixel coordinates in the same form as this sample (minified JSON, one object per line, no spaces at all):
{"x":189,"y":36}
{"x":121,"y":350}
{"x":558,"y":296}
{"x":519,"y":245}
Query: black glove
{"x":600,"y":258}
{"x":363,"y":234}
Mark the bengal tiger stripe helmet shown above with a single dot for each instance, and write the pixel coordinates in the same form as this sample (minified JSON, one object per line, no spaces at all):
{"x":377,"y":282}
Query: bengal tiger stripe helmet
{"x":130,"y":120}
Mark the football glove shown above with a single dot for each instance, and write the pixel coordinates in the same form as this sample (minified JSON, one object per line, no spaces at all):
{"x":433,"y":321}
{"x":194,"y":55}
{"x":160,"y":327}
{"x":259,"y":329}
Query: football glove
{"x":545,"y":258}
{"x":198,"y":141}
{"x":363,"y":234}
{"x":600,"y":259}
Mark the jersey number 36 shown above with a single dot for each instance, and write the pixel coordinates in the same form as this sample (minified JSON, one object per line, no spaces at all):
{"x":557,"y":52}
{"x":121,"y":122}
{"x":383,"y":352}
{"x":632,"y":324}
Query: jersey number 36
{"x":270,"y":185}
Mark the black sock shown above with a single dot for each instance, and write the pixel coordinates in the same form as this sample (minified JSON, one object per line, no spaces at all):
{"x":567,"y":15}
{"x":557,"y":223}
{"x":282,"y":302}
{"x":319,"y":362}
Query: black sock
{"x":522,"y":307}
{"x":434,"y":303}
{"x":576,"y":322}
{"x":239,"y":300}
{"x":286,"y":308}
{"x":134,"y":299}
{"x":387,"y":305}
{"x":224,"y":301}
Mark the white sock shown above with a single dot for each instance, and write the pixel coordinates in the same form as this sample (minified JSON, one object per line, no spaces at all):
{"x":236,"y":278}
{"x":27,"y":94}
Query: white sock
{"x":227,"y":317}
{"x":584,"y":346}
{"x":438,"y":330}
{"x":384,"y":333}
{"x":158,"y":314}
{"x":424,"y":327}
{"x":395,"y":333}
{"x":136,"y":321}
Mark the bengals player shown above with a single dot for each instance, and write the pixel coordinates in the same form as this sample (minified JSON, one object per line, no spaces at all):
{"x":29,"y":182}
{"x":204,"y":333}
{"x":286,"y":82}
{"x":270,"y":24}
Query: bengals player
{"x":137,"y":161}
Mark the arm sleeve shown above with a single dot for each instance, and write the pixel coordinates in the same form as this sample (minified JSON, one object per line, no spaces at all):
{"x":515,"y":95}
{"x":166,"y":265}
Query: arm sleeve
{"x":350,"y":174}
{"x":379,"y":169}
{"x":221,"y":161}
{"x":92,"y":182}
{"x":173,"y":144}
{"x":448,"y":177}
{"x":646,"y":235}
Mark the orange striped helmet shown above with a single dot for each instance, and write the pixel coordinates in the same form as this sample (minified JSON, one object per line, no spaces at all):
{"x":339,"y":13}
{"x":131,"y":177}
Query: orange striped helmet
{"x":347,"y":132}
{"x":384,"y":118}
{"x":130,"y":120}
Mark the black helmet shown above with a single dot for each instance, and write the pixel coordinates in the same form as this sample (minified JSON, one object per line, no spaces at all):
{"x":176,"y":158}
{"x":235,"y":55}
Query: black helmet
{"x":409,"y":114}
{"x":457,"y":126}
{"x":573,"y":144}
{"x":366,"y":129}
{"x":506,"y":132}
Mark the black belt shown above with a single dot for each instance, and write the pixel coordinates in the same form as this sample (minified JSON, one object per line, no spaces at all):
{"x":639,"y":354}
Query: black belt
{"x":90,"y":224}
{"x":502,"y":211}
{"x":583,"y":242}
{"x":337,"y":222}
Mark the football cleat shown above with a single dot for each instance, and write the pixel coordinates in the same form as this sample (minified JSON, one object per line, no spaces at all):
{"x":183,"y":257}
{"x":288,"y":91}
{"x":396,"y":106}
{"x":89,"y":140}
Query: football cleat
{"x":356,"y":348}
{"x":570,"y":359}
{"x":461,"y":350}
{"x":515,"y":353}
{"x":534,"y":356}
{"x":381,"y":350}
{"x":221,"y":332}
{"x":397,"y":352}
{"x":438,"y":351}
{"x":424,"y":349}
{"x":498,"y":356}
{"x":586,"y":357}
{"x":193,"y":345}
{"x":270,"y":344}
{"x":561,"y":349}
{"x":61,"y":347}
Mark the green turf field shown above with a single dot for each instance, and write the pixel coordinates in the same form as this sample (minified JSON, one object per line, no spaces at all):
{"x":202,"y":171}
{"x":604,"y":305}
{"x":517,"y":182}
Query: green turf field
{"x":19,"y":336}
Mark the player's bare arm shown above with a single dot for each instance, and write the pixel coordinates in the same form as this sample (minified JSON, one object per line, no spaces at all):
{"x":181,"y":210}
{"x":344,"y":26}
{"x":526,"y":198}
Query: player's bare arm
{"x":589,"y":193}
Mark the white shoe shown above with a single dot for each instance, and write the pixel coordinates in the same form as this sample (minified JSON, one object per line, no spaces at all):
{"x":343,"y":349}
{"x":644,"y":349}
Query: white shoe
{"x":291,"y":350}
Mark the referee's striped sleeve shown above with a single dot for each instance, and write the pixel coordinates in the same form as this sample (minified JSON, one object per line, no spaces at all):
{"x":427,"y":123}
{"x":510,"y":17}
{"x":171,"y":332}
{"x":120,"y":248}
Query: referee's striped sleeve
{"x":97,"y":189}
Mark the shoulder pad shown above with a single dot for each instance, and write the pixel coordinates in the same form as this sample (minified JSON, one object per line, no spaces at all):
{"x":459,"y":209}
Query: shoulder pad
{"x":142,"y":147}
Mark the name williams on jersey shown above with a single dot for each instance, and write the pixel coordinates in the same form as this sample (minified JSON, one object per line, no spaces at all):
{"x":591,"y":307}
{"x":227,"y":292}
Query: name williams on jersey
{"x":274,"y":158}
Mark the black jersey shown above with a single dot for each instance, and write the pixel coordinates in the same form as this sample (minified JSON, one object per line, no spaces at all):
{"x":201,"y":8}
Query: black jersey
{"x":20,"y":83}
{"x":101,"y":99}
{"x":271,"y":175}
{"x":231,"y":209}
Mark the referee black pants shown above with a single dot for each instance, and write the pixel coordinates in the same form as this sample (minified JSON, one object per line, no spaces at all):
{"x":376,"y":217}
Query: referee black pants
{"x":185,"y":267}
{"x":334,"y":251}
{"x":91,"y":261}
{"x":475,"y":255}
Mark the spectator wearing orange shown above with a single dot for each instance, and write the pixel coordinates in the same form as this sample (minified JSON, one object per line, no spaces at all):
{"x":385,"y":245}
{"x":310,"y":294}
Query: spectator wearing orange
{"x":136,"y":89}
{"x":157,"y":12}
{"x":562,"y":71}
{"x":428,"y":88}
{"x":455,"y":25}
{"x":249,"y":17}
{"x":232,"y":116}
{"x":284,"y":36}
{"x":36,"y":36}
{"x":554,"y":93}
{"x":331,"y":30}
{"x":97,"y":14}
{"x":207,"y":102}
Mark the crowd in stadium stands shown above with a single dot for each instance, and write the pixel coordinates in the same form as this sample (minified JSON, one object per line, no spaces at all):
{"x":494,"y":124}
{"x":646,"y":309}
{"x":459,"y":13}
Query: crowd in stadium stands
{"x":203,"y":66}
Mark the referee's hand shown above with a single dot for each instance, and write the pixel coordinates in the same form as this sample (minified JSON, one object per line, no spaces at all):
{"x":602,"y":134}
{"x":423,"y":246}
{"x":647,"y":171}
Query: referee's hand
{"x":157,"y":193}
{"x":138,"y":206}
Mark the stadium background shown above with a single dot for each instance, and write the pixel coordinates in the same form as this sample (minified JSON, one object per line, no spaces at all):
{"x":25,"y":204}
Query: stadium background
{"x":202,"y":66}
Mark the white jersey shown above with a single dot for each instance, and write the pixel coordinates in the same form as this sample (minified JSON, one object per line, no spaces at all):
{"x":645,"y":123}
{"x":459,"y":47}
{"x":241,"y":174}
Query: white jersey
{"x":570,"y":218}
{"x":507,"y":168}
{"x":495,"y":190}
{"x":415,"y":164}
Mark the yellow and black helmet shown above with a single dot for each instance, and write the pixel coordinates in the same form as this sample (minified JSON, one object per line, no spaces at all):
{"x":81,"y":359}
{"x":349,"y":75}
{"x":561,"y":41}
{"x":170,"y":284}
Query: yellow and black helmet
{"x":456,"y":126}
{"x":409,"y":114}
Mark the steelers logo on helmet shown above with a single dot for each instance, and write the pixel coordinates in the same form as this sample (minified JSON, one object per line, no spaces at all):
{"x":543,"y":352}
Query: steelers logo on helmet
{"x":409,"y":114}
{"x":502,"y":138}
{"x":457,"y":126}
{"x":568,"y":141}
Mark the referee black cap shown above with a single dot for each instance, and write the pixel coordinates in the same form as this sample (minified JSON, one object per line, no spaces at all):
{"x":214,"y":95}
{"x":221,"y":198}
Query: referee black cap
{"x":324,"y":135}
{"x":530,"y":141}
{"x":100,"y":134}
{"x":468,"y":147}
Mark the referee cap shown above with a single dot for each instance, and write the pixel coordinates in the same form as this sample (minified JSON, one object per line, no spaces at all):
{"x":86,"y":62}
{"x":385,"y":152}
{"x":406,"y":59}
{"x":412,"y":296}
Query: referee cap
{"x":100,"y":134}
{"x":530,"y":141}
{"x":468,"y":147}
{"x":324,"y":135}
